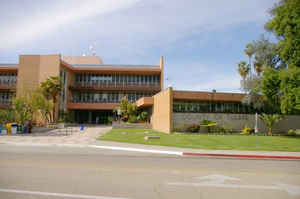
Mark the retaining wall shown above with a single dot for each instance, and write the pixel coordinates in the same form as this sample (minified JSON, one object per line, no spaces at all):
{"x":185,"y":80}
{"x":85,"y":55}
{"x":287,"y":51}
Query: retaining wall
{"x":237,"y":121}
{"x":117,"y":125}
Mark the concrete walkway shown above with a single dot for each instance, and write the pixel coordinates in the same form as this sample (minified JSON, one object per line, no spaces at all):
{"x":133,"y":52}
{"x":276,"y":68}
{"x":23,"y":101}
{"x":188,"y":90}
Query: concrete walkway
{"x":89,"y":135}
{"x":59,"y":136}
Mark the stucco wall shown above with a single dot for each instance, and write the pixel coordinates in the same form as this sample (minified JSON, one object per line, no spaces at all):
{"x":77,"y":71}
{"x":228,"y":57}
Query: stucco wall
{"x":28,"y":73}
{"x":34,"y":69}
{"x":237,"y":121}
{"x":162,"y":111}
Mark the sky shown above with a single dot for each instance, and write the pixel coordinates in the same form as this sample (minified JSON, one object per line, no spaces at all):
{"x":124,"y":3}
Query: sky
{"x":202,"y":40}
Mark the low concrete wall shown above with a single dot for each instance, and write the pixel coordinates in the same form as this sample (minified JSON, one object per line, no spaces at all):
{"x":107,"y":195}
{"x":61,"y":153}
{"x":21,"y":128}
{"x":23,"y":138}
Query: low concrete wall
{"x":117,"y":125}
{"x":237,"y":121}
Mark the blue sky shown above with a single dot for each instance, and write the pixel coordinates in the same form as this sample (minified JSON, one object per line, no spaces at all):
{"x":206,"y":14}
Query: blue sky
{"x":202,"y":40}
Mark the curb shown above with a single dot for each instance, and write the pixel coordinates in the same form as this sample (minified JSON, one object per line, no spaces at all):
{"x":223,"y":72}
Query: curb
{"x":242,"y":156}
{"x":177,"y":153}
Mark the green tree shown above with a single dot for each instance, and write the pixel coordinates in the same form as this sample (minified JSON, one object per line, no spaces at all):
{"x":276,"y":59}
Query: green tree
{"x":290,"y":90}
{"x":270,"y":87}
{"x":7,"y":115}
{"x":24,"y":111}
{"x":51,"y":89}
{"x":285,"y":23}
{"x":128,"y":110}
{"x":270,"y":120}
{"x":266,"y":53}
{"x":41,"y":105}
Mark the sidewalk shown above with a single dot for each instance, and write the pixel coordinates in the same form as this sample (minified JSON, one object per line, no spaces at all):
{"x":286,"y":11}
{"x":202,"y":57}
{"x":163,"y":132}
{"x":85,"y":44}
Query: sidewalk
{"x":58,"y":136}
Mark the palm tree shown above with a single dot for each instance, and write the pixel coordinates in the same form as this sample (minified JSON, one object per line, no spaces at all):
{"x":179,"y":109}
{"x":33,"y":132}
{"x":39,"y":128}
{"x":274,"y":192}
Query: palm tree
{"x":51,"y":89}
{"x":258,"y":67}
{"x":250,"y":50}
{"x":243,"y":69}
{"x":270,"y":120}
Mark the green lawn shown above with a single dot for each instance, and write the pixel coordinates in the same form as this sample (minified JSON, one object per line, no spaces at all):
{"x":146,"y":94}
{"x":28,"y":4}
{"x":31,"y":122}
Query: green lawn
{"x":198,"y":141}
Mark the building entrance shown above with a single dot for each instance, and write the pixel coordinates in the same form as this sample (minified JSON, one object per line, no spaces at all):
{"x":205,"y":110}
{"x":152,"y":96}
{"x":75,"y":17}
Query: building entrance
{"x":92,"y":117}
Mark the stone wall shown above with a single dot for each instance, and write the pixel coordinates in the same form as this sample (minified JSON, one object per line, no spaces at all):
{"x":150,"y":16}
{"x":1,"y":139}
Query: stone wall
{"x":237,"y":121}
{"x":117,"y":125}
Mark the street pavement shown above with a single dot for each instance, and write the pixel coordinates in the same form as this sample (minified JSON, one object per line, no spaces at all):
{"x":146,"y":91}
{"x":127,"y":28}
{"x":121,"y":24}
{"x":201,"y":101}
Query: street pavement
{"x":31,"y":172}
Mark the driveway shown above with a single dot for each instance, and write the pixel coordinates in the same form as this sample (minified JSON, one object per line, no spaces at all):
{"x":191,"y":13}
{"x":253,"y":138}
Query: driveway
{"x":71,"y":135}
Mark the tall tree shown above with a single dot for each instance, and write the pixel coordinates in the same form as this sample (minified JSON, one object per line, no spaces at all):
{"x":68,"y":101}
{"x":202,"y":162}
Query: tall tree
{"x":290,"y":89}
{"x":270,"y":87}
{"x":51,"y":89}
{"x":286,"y":26}
{"x":243,"y":69}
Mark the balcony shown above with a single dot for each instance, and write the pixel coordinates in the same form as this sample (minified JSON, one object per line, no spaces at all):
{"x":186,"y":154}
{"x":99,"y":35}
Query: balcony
{"x":5,"y":104}
{"x":91,"y":106}
{"x":116,"y":87}
{"x":7,"y":86}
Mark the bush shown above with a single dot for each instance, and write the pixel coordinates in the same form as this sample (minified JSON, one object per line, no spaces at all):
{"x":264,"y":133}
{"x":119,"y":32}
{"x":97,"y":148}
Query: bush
{"x":132,"y":119}
{"x":143,"y":116}
{"x":208,"y":124}
{"x":181,"y":128}
{"x":293,"y":132}
{"x":247,"y":130}
{"x":194,"y":128}
{"x":109,"y":120}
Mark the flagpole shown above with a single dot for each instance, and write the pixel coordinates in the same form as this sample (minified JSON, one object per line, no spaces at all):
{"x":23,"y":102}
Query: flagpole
{"x":256,"y":129}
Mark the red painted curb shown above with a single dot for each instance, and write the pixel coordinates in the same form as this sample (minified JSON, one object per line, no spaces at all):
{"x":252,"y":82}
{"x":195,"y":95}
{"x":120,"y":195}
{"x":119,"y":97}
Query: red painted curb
{"x":243,"y":156}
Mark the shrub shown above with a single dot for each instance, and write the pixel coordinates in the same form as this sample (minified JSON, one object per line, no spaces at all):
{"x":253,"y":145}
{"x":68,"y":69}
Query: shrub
{"x":270,"y":120}
{"x":142,"y":116}
{"x":247,"y":130}
{"x":109,"y":120}
{"x":193,"y":128}
{"x":293,"y":132}
{"x":181,"y":128}
{"x":132,"y":119}
{"x":208,"y":124}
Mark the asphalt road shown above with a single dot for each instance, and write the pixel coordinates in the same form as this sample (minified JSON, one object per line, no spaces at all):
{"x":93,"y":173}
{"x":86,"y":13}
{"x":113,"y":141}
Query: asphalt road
{"x":60,"y":172}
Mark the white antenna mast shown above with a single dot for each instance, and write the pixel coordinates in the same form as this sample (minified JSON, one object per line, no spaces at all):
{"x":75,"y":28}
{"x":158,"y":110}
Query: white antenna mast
{"x":93,"y":51}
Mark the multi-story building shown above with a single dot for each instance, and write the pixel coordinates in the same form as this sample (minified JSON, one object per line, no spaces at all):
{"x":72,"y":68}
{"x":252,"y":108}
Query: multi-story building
{"x":91,"y":89}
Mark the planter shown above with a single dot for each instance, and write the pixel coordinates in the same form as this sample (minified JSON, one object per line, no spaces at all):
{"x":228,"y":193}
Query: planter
{"x":3,"y":132}
{"x":61,"y":125}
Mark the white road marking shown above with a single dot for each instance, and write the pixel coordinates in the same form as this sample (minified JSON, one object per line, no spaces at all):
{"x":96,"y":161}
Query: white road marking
{"x":217,"y":180}
{"x":137,"y":150}
{"x":104,"y":147}
{"x":57,"y":194}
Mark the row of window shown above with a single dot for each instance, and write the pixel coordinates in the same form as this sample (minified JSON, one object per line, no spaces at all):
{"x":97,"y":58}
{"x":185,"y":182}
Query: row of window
{"x":116,"y":79}
{"x":6,"y":97}
{"x":106,"y":97}
{"x":8,"y":78}
{"x":213,"y":107}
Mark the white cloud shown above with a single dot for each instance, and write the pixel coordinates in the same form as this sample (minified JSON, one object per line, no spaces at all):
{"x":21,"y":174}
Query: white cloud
{"x":146,"y":23}
{"x":55,"y":16}
{"x":222,"y":83}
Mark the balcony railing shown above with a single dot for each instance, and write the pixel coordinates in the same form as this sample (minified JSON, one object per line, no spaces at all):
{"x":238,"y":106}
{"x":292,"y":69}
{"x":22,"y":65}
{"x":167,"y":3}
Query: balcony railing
{"x":5,"y":85}
{"x":116,"y":87}
{"x":5,"y":103}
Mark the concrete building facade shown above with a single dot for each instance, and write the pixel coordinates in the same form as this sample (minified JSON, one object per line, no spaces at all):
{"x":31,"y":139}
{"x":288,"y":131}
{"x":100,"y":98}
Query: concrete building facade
{"x":91,"y":89}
